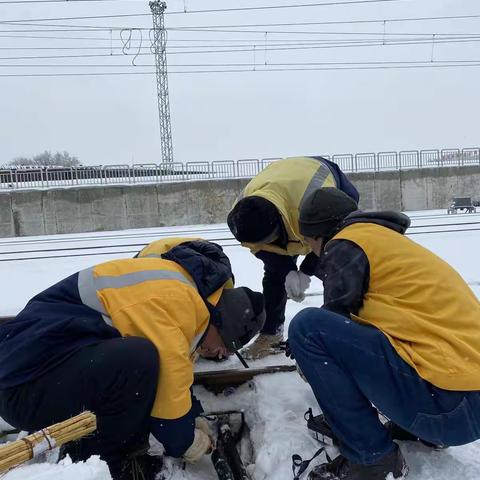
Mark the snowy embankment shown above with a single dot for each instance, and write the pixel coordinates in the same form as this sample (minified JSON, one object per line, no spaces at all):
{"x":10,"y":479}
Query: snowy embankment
{"x":274,"y":405}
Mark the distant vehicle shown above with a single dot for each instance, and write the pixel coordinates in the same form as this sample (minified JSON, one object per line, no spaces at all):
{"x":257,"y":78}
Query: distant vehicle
{"x":462,"y":204}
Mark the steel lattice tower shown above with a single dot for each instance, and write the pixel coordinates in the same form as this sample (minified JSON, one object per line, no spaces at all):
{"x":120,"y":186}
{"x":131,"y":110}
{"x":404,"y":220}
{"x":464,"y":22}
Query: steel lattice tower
{"x":159,"y":47}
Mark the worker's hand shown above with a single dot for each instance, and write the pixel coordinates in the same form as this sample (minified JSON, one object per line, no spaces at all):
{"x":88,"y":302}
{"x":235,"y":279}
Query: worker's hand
{"x":296,"y":283}
{"x":204,"y":425}
{"x":202,"y":445}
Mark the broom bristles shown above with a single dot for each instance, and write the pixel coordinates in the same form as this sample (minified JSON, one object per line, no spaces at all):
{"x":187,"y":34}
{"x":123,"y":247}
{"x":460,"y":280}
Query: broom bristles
{"x":20,"y":451}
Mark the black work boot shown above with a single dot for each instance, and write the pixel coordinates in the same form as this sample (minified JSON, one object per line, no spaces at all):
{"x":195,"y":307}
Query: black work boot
{"x":321,"y":431}
{"x":398,"y":433}
{"x":342,"y":469}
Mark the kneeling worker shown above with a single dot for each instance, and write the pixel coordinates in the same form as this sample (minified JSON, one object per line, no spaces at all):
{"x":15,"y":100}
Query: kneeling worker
{"x":399,"y":329}
{"x":118,"y":339}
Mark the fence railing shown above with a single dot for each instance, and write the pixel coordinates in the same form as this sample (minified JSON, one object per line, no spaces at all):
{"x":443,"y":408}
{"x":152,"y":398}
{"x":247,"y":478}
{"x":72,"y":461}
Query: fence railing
{"x":48,"y":177}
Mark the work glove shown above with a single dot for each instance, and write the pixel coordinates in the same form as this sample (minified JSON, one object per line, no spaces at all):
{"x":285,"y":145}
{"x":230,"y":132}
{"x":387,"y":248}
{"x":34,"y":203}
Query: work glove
{"x":204,"y":425}
{"x":202,"y":445}
{"x":296,"y":283}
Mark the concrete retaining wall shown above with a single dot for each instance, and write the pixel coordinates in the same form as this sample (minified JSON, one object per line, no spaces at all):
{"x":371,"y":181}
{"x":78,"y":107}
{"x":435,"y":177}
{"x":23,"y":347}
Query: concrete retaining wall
{"x":90,"y":209}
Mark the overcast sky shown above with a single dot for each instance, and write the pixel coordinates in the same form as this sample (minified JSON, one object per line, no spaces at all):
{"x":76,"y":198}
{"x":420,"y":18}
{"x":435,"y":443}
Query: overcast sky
{"x":219,"y":116}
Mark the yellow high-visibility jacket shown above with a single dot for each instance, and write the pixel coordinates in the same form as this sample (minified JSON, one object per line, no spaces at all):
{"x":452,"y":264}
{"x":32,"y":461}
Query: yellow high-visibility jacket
{"x":155,"y":299}
{"x":424,"y":307}
{"x":285,"y":183}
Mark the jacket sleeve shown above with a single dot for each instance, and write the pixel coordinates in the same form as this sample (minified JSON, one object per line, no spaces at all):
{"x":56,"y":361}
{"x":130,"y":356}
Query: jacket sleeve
{"x":345,"y":272}
{"x":176,"y":435}
{"x":309,"y":264}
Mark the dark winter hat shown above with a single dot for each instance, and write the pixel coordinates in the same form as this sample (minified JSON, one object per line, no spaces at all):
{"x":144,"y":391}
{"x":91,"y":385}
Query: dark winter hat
{"x":242,"y":316}
{"x":254,"y":220}
{"x":323,"y":210}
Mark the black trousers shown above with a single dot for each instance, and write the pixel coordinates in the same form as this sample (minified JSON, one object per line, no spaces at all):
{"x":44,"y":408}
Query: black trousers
{"x":115,"y":379}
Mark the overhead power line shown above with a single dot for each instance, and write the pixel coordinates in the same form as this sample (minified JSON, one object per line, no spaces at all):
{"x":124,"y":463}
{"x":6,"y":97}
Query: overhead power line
{"x":251,"y":64}
{"x":53,"y":1}
{"x":340,"y":22}
{"x":260,"y":49}
{"x":234,"y":9}
{"x":210,"y":10}
{"x":330,"y":43}
{"x":253,"y":69}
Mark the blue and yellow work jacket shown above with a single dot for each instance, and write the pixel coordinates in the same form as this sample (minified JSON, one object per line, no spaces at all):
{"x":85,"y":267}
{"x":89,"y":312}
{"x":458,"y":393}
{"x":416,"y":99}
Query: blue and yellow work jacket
{"x":286,"y":183}
{"x":166,"y":298}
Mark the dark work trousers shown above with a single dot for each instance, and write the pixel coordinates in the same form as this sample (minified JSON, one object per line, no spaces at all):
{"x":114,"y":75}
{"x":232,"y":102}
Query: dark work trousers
{"x":115,"y":379}
{"x":350,"y":366}
{"x":276,"y":268}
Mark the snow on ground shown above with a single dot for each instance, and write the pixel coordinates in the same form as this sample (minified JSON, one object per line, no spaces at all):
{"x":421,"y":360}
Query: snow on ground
{"x":274,"y":405}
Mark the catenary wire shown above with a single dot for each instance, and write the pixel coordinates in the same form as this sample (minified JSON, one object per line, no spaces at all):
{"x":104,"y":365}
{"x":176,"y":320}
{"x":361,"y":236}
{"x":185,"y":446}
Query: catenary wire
{"x":259,"y":50}
{"x":259,"y":68}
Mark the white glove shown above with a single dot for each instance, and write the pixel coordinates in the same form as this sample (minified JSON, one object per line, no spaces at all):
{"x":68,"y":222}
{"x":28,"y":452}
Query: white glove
{"x":296,"y":283}
{"x":202,"y":444}
{"x":204,"y":425}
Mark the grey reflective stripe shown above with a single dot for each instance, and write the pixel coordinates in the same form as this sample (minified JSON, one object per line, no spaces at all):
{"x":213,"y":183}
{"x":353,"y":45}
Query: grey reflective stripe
{"x":316,"y":181}
{"x":107,"y":320}
{"x":88,"y":291}
{"x":137,"y":277}
{"x":195,"y":341}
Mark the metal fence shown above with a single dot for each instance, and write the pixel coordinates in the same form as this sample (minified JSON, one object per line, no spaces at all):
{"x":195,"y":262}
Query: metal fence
{"x":48,"y":177}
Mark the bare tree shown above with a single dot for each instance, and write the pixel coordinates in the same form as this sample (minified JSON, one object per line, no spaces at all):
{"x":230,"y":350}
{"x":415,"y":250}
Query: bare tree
{"x":47,"y":159}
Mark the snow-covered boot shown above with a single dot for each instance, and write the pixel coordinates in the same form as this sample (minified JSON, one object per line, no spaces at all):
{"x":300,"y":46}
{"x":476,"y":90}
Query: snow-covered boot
{"x":263,"y":346}
{"x":342,"y":469}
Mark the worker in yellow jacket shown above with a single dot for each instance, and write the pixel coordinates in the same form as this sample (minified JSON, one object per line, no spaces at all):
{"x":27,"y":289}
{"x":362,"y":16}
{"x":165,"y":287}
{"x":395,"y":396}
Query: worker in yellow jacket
{"x":265,"y":220}
{"x":399,"y":329}
{"x":118,"y":339}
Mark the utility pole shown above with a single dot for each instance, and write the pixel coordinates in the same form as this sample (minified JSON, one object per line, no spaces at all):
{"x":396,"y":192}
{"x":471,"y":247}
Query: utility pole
{"x":159,"y":47}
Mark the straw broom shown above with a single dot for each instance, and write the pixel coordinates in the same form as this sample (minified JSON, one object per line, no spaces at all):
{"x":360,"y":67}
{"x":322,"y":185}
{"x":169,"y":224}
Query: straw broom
{"x":20,"y":451}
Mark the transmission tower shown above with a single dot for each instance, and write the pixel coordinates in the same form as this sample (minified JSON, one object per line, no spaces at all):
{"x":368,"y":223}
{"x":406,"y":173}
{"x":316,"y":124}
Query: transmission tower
{"x":159,"y":47}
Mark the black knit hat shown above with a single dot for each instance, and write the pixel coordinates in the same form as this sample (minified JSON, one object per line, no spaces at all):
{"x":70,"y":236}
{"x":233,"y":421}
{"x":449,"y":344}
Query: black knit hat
{"x":242,"y":315}
{"x":323,"y":210}
{"x":254,"y":220}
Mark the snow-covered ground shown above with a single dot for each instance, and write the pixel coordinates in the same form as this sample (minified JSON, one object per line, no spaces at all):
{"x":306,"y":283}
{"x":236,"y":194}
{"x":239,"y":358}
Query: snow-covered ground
{"x":274,"y":405}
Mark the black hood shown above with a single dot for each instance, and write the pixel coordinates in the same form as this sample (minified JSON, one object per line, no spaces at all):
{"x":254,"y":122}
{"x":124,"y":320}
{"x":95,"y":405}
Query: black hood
{"x":394,"y":220}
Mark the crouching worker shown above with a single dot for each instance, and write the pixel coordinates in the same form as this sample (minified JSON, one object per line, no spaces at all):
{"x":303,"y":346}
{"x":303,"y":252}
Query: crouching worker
{"x":118,"y":339}
{"x":265,"y":220}
{"x":399,"y":329}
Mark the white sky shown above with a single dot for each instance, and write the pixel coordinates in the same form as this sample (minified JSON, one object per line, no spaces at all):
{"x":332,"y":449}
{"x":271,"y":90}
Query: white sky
{"x":215,"y":116}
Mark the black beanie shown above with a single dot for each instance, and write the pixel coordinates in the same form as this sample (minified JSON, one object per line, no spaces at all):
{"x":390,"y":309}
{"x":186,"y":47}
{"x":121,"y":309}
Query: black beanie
{"x":253,"y":219}
{"x":242,"y":314}
{"x":323,"y":210}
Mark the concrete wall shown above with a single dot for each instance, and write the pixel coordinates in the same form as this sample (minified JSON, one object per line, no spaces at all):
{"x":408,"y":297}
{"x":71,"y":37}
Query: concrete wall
{"x":90,"y":209}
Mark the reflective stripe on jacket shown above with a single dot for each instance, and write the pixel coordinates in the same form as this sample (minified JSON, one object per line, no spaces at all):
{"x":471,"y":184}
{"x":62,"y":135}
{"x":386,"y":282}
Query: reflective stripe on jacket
{"x":424,"y":307}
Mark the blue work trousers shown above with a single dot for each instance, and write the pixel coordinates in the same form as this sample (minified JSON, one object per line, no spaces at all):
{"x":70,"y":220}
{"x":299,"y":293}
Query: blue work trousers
{"x":351,"y":366}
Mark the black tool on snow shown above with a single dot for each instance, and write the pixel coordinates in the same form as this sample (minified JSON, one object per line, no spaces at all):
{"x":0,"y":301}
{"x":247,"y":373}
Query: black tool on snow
{"x":242,"y":360}
{"x":319,"y":429}
{"x":299,"y":465}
